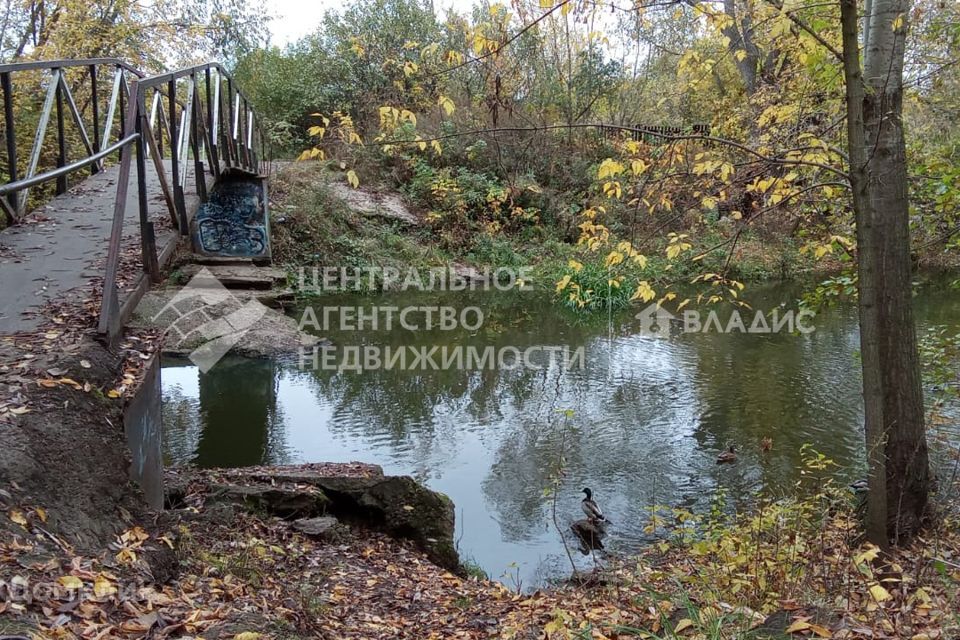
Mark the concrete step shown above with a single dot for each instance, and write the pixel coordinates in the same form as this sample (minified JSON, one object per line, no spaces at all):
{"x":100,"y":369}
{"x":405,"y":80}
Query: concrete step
{"x":241,"y":276}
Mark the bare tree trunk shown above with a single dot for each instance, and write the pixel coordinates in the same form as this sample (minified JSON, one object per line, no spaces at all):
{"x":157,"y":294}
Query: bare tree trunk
{"x":893,"y":397}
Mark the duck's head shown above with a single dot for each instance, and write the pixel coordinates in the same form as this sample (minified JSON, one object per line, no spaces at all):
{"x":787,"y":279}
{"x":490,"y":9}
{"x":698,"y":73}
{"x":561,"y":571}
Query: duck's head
{"x":587,"y":491}
{"x":732,"y":449}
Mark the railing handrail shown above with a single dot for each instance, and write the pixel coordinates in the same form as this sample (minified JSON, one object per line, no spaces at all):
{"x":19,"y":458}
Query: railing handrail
{"x":53,"y":174}
{"x":148,"y":82}
{"x":11,"y":67}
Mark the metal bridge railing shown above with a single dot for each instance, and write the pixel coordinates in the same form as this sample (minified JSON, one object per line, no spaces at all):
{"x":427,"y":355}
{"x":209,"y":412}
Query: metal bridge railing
{"x":95,"y":135}
{"x":194,"y":116}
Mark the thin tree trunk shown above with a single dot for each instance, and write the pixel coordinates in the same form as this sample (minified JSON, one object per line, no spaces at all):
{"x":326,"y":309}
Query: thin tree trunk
{"x":893,"y":397}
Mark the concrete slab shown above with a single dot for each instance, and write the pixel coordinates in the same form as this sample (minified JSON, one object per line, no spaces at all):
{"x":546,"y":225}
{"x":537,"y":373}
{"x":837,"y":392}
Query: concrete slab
{"x":241,"y":276}
{"x":59,"y":251}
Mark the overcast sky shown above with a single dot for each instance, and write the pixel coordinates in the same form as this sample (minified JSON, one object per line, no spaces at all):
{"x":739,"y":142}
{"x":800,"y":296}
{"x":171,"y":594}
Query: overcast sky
{"x":294,"y":19}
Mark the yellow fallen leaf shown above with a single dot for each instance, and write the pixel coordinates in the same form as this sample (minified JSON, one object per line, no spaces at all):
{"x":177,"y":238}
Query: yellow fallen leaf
{"x":70,"y":582}
{"x":683,"y":624}
{"x":823,"y":632}
{"x":247,"y":635}
{"x":103,"y":587}
{"x":113,"y":393}
{"x":879,"y":593}
{"x":17,"y":516}
{"x":42,"y":514}
{"x":799,"y":625}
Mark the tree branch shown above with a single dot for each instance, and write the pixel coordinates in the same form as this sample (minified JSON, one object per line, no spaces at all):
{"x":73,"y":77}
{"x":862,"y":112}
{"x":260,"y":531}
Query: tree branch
{"x":665,"y":136}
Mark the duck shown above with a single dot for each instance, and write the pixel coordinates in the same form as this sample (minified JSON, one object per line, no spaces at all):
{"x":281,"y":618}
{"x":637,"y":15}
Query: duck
{"x":730,"y":455}
{"x":859,"y":487}
{"x":594,"y":514}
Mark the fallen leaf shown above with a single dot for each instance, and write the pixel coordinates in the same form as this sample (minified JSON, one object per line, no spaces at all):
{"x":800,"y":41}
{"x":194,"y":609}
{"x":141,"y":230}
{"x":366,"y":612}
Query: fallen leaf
{"x":85,"y":364}
{"x":879,"y":593}
{"x":17,"y":516}
{"x":70,"y":582}
{"x":103,"y":587}
{"x":799,"y":625}
{"x":683,"y":624}
{"x":247,"y":635}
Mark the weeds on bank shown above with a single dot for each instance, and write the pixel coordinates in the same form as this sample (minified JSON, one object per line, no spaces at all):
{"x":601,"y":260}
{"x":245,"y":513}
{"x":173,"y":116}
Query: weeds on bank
{"x":789,"y":568}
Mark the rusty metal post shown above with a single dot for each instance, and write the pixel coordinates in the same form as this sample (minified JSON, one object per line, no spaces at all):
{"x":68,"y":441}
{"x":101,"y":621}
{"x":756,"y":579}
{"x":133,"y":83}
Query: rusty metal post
{"x":94,"y":103}
{"x":61,"y":141}
{"x":148,"y":243}
{"x":208,"y":126}
{"x":194,"y":133}
{"x":178,"y":199}
{"x":109,"y":323}
{"x":11,"y":135}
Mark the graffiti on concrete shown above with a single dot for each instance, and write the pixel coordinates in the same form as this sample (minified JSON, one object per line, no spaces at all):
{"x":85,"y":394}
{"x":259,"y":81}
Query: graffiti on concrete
{"x":233,"y":221}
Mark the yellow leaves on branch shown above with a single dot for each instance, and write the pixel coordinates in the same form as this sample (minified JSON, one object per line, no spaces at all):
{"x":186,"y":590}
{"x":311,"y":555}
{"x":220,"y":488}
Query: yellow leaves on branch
{"x":778,"y":113}
{"x":609,"y":168}
{"x":644,"y":292}
{"x":677,"y":245}
{"x":446,"y":104}
{"x":343,"y":129}
{"x":391,"y":118}
{"x":835,"y":243}
{"x":613,"y":259}
{"x":612,"y":189}
{"x":720,"y":168}
{"x":315,"y":153}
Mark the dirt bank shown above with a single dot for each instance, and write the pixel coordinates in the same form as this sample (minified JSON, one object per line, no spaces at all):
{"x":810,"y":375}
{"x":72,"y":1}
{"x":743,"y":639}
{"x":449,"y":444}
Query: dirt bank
{"x":63,"y":454}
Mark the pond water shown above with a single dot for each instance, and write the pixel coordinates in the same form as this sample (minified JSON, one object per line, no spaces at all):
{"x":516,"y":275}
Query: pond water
{"x":650,"y":414}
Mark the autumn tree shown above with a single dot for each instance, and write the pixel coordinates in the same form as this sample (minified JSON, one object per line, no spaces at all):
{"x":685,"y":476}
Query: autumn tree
{"x":150,"y":35}
{"x":893,"y":398}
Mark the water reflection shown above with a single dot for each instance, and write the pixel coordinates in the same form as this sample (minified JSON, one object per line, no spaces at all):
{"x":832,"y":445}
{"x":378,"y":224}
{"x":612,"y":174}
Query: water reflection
{"x":650,"y":416}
